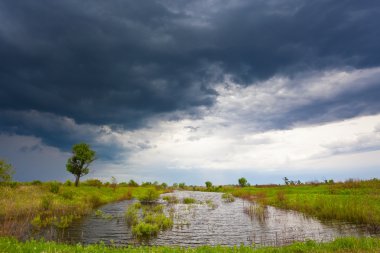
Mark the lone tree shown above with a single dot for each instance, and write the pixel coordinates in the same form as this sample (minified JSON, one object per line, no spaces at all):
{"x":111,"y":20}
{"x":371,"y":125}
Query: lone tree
{"x":79,"y":162}
{"x":243,"y":182}
{"x":6,"y":171}
{"x":208,"y":184}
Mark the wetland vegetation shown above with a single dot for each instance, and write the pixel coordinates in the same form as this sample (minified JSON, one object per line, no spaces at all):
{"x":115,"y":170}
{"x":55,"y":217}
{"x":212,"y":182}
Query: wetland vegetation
{"x":347,"y":245}
{"x":356,"y":201}
{"x":183,"y":215}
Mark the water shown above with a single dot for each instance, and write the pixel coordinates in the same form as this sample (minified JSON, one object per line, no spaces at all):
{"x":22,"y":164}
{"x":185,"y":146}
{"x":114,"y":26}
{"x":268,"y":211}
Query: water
{"x":218,"y":224}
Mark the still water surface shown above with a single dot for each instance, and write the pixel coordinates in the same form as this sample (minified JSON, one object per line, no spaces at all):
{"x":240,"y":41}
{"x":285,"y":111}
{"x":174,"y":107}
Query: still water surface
{"x":220,"y":224}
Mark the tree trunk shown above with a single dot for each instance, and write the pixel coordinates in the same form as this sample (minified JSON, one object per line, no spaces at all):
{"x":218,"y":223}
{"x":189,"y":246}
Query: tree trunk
{"x":76,"y":180}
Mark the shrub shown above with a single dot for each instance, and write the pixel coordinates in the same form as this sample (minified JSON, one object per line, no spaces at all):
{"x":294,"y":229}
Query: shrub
{"x":150,"y":222}
{"x":132,"y":183}
{"x":188,"y":201}
{"x":160,"y":220}
{"x":68,"y":183}
{"x":6,"y":171}
{"x":36,"y":182}
{"x":149,"y":195}
{"x":54,"y":187}
{"x":146,"y":184}
{"x":144,"y":231}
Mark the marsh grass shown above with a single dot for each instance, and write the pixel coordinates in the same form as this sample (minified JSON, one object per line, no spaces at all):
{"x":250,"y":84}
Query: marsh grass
{"x":189,"y":200}
{"x":258,"y":211}
{"x":353,"y":201}
{"x":228,"y":197}
{"x":346,"y":245}
{"x":147,"y":220}
{"x":150,"y":195}
{"x":38,"y":205}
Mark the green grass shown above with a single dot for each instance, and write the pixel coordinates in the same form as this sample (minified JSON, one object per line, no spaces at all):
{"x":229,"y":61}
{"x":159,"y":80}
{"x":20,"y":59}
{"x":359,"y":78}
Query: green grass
{"x":10,"y":245}
{"x":146,"y":221}
{"x":53,"y":204}
{"x":149,"y":195}
{"x":353,"y":201}
{"x":189,"y":201}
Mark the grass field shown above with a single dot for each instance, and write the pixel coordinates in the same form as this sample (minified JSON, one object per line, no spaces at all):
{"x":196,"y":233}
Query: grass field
{"x":353,"y":201}
{"x":53,"y":204}
{"x":10,"y":245}
{"x":58,"y":204}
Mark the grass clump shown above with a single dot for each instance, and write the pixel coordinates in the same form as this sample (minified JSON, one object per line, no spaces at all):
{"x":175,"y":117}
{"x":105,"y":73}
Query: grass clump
{"x":147,"y":221}
{"x":54,"y":187}
{"x":145,"y":231}
{"x":150,"y":195}
{"x":131,"y":215}
{"x":189,"y":201}
{"x":228,"y":197}
{"x":257,"y":211}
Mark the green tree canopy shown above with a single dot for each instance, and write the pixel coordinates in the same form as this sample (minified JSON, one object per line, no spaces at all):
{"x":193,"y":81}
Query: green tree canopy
{"x":6,"y":171}
{"x":208,"y":184}
{"x":78,"y":164}
{"x":243,"y":182}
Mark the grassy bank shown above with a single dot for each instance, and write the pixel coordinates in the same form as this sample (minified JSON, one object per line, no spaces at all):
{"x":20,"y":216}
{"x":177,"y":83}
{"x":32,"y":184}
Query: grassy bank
{"x":353,"y":201}
{"x":340,"y":245}
{"x":53,"y":204}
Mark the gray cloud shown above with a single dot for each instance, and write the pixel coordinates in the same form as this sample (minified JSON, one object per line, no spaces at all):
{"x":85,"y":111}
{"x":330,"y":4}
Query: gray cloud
{"x":121,"y":63}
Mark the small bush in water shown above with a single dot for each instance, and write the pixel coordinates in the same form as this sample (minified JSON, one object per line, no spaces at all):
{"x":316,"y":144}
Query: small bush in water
{"x":160,"y":220}
{"x":150,"y":195}
{"x":189,"y":201}
{"x":149,"y":222}
{"x":131,"y":215}
{"x":227,"y":197}
{"x":145,"y":230}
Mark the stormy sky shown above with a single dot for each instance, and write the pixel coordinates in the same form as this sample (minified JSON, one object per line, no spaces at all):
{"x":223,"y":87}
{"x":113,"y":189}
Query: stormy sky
{"x":189,"y":91}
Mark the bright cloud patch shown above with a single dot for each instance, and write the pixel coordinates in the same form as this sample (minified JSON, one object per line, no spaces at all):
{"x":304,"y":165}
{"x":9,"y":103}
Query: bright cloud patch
{"x":236,"y":133}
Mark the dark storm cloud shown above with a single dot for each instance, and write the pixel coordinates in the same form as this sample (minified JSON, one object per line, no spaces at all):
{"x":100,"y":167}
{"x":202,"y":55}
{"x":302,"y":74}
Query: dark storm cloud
{"x":59,"y":132}
{"x":120,"y":62}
